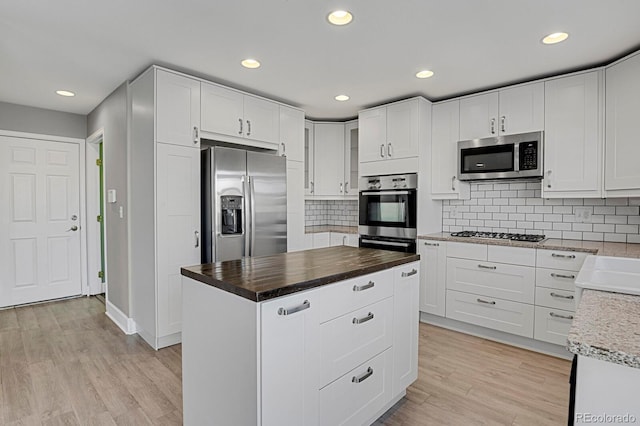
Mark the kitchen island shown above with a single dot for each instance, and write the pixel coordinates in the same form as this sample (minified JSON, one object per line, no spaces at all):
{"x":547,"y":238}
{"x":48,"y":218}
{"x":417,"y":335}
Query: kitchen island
{"x":317,"y":337}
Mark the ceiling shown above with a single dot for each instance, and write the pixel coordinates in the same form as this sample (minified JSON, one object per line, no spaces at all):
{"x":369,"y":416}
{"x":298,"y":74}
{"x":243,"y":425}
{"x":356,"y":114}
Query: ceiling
{"x":91,"y":47}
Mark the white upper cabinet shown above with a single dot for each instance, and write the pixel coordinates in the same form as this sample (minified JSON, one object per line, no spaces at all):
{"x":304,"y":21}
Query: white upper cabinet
{"x":573,"y":137}
{"x":232,"y":113}
{"x":622,"y":145}
{"x":389,"y":132}
{"x":177,"y":109}
{"x":308,"y":158}
{"x":329,"y":159}
{"x":508,"y":111}
{"x":292,"y":133}
{"x":445,"y":122}
{"x":351,"y":138}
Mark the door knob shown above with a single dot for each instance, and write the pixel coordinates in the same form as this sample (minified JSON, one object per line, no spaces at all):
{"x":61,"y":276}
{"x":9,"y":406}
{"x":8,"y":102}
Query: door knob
{"x":73,"y":228}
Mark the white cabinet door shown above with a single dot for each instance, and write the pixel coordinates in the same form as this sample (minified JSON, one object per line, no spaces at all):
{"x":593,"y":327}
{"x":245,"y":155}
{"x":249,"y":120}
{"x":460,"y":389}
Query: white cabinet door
{"x":295,"y":205}
{"x":478,"y":116}
{"x":433,"y":266}
{"x":329,"y":159}
{"x":622,"y":109}
{"x":351,"y":136}
{"x":292,"y":133}
{"x":289,"y":346}
{"x":177,"y":109}
{"x":406,"y":321}
{"x":573,"y":137}
{"x":402,"y":129}
{"x":262,"y":119}
{"x":373,"y":134}
{"x":308,"y":158}
{"x":521,"y":109}
{"x":178,"y":228}
{"x":222,"y":110}
{"x":445,"y":124}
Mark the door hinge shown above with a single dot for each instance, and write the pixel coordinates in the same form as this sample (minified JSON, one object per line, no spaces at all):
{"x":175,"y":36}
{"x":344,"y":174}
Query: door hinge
{"x":99,"y":162}
{"x":99,"y":218}
{"x":101,"y":274}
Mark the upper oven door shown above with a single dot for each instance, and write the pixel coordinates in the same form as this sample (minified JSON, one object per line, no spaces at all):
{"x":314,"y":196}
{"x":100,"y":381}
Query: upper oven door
{"x":389,"y":209}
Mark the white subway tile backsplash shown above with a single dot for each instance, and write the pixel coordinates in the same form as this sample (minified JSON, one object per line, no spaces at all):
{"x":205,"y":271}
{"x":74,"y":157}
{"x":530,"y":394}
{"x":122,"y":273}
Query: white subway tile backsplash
{"x":331,"y":212}
{"x":524,"y":209}
{"x":563,"y":209}
{"x":627,"y":211}
{"x":604,"y":228}
{"x":516,"y":186}
{"x":485,"y":201}
{"x":493,"y":194}
{"x":516,"y":216}
{"x":616,"y":202}
{"x":485,"y":187}
{"x":543,"y":225}
{"x":616,"y":238}
{"x":477,"y":194}
{"x":559,"y":226}
{"x":552,"y":218}
{"x":508,"y":209}
{"x":553,"y":201}
{"x":477,"y":209}
{"x":508,"y":224}
{"x":535,"y":217}
{"x":491,"y":209}
{"x":633,"y":238}
{"x":597,"y":218}
{"x":485,"y":216}
{"x":526,"y":193}
{"x":534,"y":201}
{"x":626,"y":229}
{"x":500,"y":201}
{"x":582,"y":227}
{"x":501,"y":186}
{"x":593,"y":236}
{"x":534,"y":185}
{"x":634,"y":201}
{"x":506,"y":194}
{"x":604,"y":210}
{"x":570,"y":235}
{"x":525,"y":225}
{"x":573,"y":202}
{"x":633,"y":220}
{"x":621,"y":220}
{"x":516,"y":202}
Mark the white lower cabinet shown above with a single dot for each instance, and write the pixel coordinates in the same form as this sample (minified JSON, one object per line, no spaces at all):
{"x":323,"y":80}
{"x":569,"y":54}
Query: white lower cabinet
{"x":552,"y":325}
{"x":433,"y":265}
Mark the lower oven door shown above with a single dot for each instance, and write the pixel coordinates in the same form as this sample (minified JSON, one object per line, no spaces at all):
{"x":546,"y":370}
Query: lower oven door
{"x":394,"y":244}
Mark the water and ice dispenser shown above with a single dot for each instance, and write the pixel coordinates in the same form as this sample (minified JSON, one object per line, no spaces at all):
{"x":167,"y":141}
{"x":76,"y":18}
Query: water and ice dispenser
{"x":231,"y":211}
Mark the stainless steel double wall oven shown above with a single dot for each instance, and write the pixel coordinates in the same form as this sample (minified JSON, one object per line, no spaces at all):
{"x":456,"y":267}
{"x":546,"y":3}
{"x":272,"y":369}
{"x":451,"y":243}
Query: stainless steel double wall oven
{"x":388,"y":212}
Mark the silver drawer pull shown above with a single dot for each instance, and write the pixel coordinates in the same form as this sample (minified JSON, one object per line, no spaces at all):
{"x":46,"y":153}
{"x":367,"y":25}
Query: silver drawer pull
{"x":569,"y":277}
{"x":554,"y":315}
{"x":408,"y":274}
{"x":289,"y":311}
{"x":493,"y":302}
{"x":564,"y":256}
{"x":369,"y":285}
{"x":560,"y":296}
{"x":487,"y":267}
{"x":432,"y":244}
{"x":369,"y":317}
{"x":363,"y":376}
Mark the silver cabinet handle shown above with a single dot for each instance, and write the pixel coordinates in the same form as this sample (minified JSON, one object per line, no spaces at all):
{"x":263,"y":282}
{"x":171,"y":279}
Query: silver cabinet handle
{"x":432,"y":244}
{"x":240,"y":131}
{"x":369,"y":317}
{"x":312,"y":186}
{"x":74,"y":228}
{"x":284,"y":149}
{"x":548,"y":178}
{"x":503,"y":119}
{"x":453,"y":183}
{"x":346,"y":187}
{"x":363,"y":377}
{"x":492,"y":123}
{"x":554,"y":315}
{"x":569,"y":277}
{"x":197,"y":234}
{"x":382,"y":151}
{"x":289,"y":311}
{"x":486,"y":302}
{"x":341,"y":184}
{"x":563,"y":256}
{"x":560,"y":296}
{"x":367,"y":286}
{"x":196,"y":136}
{"x":248,"y":127}
{"x":487,"y":267}
{"x":389,"y":150}
{"x":410,"y":273}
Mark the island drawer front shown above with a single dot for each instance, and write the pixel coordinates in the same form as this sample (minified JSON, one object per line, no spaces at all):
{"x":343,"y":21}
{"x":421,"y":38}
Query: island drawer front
{"x":552,"y":325}
{"x":357,"y":396}
{"x":556,"y":278}
{"x":556,"y":299}
{"x":467,"y":250}
{"x":355,"y":293}
{"x":503,"y":315}
{"x":557,"y":259}
{"x":508,"y":282}
{"x":358,"y":335}
{"x":514,"y":255}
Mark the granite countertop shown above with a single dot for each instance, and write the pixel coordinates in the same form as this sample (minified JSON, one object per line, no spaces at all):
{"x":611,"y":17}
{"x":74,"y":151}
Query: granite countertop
{"x":267,"y":277}
{"x":607,"y":327}
{"x":592,"y":247}
{"x":330,"y":228}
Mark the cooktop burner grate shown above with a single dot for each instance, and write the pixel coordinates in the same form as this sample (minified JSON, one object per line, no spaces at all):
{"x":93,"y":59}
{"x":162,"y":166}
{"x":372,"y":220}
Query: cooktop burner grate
{"x":532,"y":238}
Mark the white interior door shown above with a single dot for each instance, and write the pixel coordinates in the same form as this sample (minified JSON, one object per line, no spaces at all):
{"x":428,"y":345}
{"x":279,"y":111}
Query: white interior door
{"x":39,"y":220}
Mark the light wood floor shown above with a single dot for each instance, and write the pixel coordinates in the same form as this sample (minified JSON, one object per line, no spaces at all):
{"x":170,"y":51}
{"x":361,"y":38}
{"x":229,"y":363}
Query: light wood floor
{"x":66,"y":363}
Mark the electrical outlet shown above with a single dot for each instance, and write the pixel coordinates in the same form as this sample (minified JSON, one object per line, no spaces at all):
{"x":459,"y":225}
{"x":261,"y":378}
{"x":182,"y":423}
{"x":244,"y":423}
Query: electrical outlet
{"x":453,"y":213}
{"x":582,"y":214}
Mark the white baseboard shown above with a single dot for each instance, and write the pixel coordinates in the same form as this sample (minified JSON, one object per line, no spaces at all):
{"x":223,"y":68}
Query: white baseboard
{"x":126,"y":324}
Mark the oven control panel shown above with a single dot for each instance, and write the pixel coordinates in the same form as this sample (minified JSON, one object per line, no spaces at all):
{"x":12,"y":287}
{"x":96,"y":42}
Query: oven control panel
{"x":388,"y":182}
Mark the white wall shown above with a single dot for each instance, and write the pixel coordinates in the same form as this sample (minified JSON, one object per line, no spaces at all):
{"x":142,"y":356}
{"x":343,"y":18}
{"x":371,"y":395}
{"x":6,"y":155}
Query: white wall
{"x":20,"y":118}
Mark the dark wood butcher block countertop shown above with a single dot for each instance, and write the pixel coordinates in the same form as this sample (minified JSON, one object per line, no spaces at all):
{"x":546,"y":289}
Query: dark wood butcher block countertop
{"x":267,"y":277}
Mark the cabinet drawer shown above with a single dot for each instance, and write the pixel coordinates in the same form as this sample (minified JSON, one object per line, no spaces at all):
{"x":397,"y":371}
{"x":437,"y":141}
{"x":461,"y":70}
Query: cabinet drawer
{"x":357,"y":396}
{"x":356,"y":293}
{"x":513,"y":255}
{"x":554,"y":298}
{"x":556,"y":278}
{"x":557,"y":259}
{"x":508,"y":282}
{"x":503,"y":315}
{"x":552,"y":325}
{"x":467,"y":250}
{"x":351,"y":338}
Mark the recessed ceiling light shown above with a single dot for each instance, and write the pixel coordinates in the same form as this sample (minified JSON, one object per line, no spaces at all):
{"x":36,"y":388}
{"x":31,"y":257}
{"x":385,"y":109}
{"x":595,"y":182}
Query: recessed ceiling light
{"x":65,"y":93}
{"x":250,"y":63}
{"x":555,"y":38}
{"x":424,"y":74}
{"x":342,"y":98}
{"x":340,"y":17}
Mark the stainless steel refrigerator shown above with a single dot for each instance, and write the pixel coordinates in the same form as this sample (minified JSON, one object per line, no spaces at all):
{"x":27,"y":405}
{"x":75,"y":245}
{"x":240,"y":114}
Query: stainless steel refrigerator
{"x":244,"y":204}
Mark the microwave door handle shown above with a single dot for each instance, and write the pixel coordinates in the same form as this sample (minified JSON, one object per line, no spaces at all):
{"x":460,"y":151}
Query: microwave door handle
{"x":516,"y":157}
{"x":384,"y":193}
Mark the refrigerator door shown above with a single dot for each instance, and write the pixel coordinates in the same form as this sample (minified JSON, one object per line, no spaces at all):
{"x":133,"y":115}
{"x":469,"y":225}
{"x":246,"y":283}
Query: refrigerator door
{"x":268,"y":203}
{"x":230,"y":201}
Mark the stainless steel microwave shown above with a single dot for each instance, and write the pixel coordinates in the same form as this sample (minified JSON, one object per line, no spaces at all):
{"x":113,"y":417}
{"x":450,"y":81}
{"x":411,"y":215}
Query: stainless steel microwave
{"x":501,"y":157}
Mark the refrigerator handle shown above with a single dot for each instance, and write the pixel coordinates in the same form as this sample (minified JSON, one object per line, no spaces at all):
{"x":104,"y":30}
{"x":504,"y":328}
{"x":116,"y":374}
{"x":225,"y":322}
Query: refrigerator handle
{"x":245,"y":216}
{"x":252,"y":207}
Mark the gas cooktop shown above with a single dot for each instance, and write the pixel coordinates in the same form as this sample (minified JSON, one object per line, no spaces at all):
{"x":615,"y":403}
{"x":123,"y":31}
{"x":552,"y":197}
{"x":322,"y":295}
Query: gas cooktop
{"x":531,"y":238}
